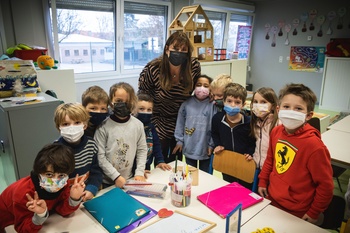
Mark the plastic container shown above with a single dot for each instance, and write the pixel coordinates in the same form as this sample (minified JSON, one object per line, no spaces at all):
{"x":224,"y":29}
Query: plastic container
{"x":29,"y":54}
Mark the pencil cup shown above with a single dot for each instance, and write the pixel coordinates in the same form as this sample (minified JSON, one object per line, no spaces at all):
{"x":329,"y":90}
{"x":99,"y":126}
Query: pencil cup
{"x":181,"y":193}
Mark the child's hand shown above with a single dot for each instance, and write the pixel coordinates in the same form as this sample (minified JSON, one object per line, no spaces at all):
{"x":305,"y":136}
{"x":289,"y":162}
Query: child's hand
{"x":262,"y":191}
{"x":146,"y":173}
{"x":164,"y":166}
{"x":310,"y":220}
{"x":35,"y":204}
{"x":120,"y":182}
{"x":210,"y":151}
{"x":77,"y":189}
{"x":248,"y":157}
{"x":177,"y":148}
{"x":218,"y":149}
{"x":87,"y":195}
{"x":140,"y":178}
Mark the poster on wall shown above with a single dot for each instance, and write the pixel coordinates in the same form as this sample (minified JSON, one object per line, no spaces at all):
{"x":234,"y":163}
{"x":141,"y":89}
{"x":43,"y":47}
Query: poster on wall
{"x":243,"y":41}
{"x":307,"y":58}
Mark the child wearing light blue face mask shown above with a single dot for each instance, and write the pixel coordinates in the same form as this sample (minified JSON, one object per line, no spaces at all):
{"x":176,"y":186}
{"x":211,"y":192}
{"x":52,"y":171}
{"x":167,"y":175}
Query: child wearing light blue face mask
{"x":27,"y":202}
{"x":231,"y":128}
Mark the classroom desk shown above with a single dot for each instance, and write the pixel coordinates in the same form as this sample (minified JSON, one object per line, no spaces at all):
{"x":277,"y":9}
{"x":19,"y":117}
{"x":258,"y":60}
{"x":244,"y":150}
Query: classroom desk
{"x":337,"y":142}
{"x":82,"y":221}
{"x":342,"y":125}
{"x":279,"y":221}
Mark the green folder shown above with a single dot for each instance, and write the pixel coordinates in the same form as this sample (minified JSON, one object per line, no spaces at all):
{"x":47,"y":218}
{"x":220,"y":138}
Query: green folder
{"x":115,"y":209}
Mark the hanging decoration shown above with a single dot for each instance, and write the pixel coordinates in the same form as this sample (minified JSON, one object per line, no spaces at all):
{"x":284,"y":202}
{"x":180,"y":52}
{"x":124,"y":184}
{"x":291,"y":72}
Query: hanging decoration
{"x":320,"y":21}
{"x":287,"y":28}
{"x":267,"y":30}
{"x":312,"y":16}
{"x":274,"y":31}
{"x":280,"y":25}
{"x":296,"y":22}
{"x":304,"y":16}
{"x":341,"y":12}
{"x":330,"y":16}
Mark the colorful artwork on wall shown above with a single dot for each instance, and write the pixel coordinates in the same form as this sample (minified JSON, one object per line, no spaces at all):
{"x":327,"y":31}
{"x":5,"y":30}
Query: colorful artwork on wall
{"x":307,"y":58}
{"x":243,"y":41}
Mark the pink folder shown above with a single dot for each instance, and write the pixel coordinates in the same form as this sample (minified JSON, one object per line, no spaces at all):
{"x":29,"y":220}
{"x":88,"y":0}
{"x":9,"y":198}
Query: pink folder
{"x":224,"y":199}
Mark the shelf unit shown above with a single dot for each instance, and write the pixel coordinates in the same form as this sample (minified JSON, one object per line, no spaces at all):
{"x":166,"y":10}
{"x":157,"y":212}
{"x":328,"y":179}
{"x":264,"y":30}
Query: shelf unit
{"x":194,"y":22}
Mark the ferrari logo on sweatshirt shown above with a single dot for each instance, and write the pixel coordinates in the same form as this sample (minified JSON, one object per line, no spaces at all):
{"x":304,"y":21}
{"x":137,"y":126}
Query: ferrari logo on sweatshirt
{"x":284,"y":156}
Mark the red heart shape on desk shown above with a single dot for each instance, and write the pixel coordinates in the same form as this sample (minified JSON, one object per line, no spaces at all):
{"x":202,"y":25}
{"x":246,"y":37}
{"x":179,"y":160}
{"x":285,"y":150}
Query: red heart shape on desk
{"x":164,"y":213}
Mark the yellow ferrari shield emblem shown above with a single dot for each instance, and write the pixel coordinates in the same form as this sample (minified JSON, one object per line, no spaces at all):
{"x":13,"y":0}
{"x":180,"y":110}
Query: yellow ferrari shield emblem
{"x":284,"y":156}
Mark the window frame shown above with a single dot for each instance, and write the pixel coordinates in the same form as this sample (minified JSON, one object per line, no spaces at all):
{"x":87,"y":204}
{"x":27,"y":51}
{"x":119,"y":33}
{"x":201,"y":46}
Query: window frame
{"x":119,"y":71}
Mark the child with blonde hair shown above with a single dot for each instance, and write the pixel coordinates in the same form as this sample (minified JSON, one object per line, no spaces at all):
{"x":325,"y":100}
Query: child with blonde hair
{"x":121,"y":139}
{"x":96,"y":101}
{"x":217,"y":87}
{"x":71,"y":119}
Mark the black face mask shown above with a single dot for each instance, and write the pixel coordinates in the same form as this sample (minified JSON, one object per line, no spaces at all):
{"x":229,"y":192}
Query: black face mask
{"x":145,"y":118}
{"x":177,"y":58}
{"x":121,"y":110}
{"x":96,"y":118}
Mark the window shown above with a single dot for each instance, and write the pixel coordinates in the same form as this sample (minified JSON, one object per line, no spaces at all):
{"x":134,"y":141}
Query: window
{"x":90,"y":26}
{"x":218,"y":21}
{"x":66,"y":53}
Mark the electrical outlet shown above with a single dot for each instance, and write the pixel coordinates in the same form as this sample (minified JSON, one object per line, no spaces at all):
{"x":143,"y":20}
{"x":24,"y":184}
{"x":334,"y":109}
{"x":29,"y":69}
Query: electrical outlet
{"x":280,"y":59}
{"x":288,"y":58}
{"x":309,"y":38}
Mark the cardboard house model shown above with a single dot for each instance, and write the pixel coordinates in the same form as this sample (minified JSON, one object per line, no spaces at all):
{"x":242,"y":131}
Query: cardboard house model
{"x":194,"y":22}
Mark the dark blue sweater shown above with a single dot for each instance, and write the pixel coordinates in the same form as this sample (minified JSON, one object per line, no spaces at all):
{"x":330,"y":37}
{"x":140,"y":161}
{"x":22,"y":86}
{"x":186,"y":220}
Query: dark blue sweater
{"x":85,"y":155}
{"x":154,"y":149}
{"x":236,"y":139}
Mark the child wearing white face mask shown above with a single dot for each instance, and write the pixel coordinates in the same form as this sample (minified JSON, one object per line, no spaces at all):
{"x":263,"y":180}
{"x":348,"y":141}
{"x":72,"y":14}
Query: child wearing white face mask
{"x":71,"y":119}
{"x":297,"y":173}
{"x":193,"y":128}
{"x":27,"y":203}
{"x":263,"y":119}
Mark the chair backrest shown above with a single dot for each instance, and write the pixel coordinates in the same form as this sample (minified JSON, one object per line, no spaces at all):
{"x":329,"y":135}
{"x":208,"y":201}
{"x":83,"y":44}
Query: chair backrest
{"x":334,"y":214}
{"x":235,"y":164}
{"x":315,"y":122}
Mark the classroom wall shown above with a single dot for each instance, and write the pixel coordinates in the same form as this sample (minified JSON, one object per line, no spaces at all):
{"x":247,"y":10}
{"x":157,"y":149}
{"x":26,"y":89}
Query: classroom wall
{"x":266,"y":70}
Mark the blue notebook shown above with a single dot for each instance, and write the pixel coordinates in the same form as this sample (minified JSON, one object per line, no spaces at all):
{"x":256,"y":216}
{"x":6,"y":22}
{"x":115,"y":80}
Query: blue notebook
{"x":115,"y":209}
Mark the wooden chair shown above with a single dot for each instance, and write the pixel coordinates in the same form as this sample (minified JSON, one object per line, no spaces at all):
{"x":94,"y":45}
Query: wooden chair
{"x":337,"y":171}
{"x":235,"y":164}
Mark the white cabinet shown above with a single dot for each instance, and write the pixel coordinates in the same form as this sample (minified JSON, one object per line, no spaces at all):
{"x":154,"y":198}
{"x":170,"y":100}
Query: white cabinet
{"x":237,"y":69}
{"x":335,"y":91}
{"x":24,"y":130}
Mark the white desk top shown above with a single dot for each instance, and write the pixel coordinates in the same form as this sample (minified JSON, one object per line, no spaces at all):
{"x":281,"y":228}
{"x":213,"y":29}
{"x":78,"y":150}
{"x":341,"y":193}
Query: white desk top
{"x":279,"y":221}
{"x":342,"y":125}
{"x":82,"y":221}
{"x":336,"y":142}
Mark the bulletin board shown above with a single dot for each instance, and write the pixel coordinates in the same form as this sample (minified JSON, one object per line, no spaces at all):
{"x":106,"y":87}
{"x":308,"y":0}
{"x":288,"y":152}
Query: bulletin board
{"x":307,"y":58}
{"x":178,"y":222}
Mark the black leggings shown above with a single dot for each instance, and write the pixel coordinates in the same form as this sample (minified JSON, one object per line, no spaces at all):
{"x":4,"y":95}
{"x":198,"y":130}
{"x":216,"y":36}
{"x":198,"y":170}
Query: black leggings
{"x":168,"y":146}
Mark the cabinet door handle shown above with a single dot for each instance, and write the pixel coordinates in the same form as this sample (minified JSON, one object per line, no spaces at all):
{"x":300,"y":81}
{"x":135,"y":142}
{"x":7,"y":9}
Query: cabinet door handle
{"x":3,"y":146}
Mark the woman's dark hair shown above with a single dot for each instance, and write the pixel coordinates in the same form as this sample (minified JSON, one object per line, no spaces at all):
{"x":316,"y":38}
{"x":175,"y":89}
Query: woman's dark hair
{"x":57,"y":155}
{"x":179,"y":40}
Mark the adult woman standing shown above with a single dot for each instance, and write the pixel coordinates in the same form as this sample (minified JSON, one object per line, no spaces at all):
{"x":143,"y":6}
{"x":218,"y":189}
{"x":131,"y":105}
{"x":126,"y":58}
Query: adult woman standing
{"x":168,"y":79}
